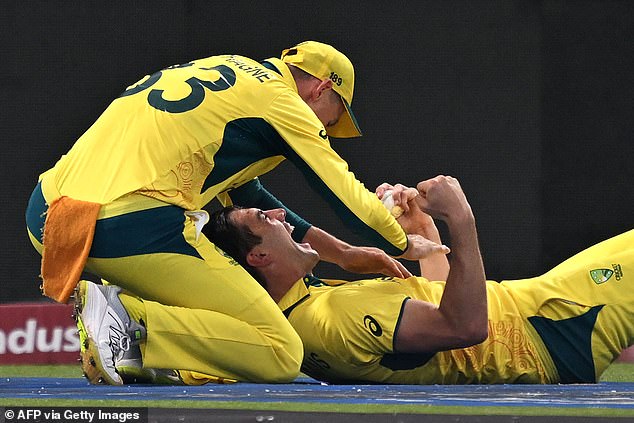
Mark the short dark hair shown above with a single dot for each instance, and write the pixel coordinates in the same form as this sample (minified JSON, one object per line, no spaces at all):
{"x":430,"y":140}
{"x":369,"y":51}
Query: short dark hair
{"x":234,"y":239}
{"x":300,"y":73}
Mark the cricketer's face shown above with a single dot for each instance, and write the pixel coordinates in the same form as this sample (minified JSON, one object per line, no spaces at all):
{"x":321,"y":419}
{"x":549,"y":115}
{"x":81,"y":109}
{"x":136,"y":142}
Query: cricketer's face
{"x":328,"y":107}
{"x":275,"y":231}
{"x":335,"y":109}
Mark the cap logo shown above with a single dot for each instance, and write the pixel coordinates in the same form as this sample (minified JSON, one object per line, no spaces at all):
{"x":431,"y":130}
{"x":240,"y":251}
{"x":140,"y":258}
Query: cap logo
{"x":336,"y":78}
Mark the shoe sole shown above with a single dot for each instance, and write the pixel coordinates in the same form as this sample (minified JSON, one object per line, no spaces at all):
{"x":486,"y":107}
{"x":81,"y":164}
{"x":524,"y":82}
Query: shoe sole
{"x":91,"y":361}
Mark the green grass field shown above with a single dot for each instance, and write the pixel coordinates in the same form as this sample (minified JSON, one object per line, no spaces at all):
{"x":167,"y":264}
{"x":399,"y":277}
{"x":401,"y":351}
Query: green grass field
{"x":618,"y":372}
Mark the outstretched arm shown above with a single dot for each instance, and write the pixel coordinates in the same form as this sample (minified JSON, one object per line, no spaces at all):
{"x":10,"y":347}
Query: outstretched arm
{"x":331,"y":249}
{"x":460,"y":320}
{"x":354,"y":259}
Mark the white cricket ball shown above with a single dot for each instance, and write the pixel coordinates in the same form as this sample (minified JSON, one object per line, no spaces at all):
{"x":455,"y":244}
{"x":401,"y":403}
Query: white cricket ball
{"x":388,"y":202}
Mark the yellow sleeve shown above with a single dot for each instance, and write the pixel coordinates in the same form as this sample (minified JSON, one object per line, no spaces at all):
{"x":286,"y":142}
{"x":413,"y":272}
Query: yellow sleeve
{"x":308,"y":148}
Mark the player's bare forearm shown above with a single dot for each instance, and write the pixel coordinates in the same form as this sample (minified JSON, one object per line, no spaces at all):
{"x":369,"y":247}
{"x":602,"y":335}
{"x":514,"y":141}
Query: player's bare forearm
{"x":400,"y":201}
{"x":463,"y":307}
{"x":353,"y":259}
{"x":460,"y":320}
{"x":435,"y":266}
{"x":464,"y":301}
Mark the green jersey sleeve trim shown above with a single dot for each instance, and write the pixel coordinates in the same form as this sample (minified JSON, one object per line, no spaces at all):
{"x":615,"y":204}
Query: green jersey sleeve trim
{"x":249,"y":140}
{"x":253,"y":194}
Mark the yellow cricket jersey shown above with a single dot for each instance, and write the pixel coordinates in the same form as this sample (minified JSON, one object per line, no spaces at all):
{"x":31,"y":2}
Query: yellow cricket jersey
{"x":565,"y":326}
{"x":348,"y":333}
{"x":195,"y":131}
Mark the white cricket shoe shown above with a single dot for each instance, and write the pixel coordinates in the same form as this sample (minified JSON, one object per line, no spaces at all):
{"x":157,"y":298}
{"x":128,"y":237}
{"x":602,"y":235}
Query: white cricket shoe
{"x":107,"y":334}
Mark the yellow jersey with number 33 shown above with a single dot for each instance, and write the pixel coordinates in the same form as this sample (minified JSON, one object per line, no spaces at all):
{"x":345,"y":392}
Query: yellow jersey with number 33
{"x":192,"y":132}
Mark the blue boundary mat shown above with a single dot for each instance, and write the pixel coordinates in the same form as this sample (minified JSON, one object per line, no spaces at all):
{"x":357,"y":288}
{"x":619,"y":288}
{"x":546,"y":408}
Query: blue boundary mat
{"x":600,"y":395}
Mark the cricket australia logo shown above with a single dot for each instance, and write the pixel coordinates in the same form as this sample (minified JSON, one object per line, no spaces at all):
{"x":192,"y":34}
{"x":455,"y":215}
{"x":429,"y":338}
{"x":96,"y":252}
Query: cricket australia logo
{"x":600,"y":276}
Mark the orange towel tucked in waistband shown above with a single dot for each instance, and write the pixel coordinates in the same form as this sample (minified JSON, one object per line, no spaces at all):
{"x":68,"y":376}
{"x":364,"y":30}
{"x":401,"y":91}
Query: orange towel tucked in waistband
{"x":68,"y":233}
